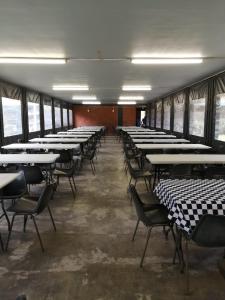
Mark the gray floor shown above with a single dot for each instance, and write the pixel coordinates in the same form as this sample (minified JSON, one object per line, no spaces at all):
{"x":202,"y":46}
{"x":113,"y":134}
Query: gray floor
{"x":91,"y":255}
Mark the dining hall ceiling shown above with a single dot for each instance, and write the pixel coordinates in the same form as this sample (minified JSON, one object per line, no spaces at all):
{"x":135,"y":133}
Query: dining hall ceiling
{"x":100,"y":36}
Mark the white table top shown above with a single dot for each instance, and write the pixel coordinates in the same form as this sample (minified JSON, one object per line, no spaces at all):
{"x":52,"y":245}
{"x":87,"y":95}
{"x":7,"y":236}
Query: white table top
{"x":59,"y":140}
{"x":139,"y":130}
{"x":25,"y":158}
{"x":147,"y":133}
{"x":170,"y":159}
{"x":6,"y":178}
{"x":160,"y":141}
{"x":84,"y":130}
{"x":152,"y":136}
{"x":171,"y":146}
{"x":68,"y":136}
{"x":44,"y":146}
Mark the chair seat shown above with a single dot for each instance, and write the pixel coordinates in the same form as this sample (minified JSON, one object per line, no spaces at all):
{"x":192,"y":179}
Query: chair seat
{"x":63,"y":172}
{"x":141,"y":173}
{"x":22,"y":206}
{"x":156,"y":216}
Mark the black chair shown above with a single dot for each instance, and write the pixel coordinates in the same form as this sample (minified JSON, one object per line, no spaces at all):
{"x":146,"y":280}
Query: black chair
{"x":25,"y":207}
{"x":12,"y":191}
{"x":65,"y":167}
{"x":89,"y":155}
{"x":136,"y":174}
{"x":33,"y":175}
{"x":154,"y":215}
{"x":210,"y":233}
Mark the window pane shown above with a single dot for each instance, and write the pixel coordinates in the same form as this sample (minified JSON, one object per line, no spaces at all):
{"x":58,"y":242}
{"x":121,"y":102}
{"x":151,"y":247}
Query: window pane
{"x":158,"y":114}
{"x":48,"y":116}
{"x":167,"y":109}
{"x":152,"y":117}
{"x":12,"y":118}
{"x":34,"y":116}
{"x":57,"y":117}
{"x":65,"y":118}
{"x":70,"y":117}
{"x":179,"y":108}
{"x":220,"y":118}
{"x":197,"y":116}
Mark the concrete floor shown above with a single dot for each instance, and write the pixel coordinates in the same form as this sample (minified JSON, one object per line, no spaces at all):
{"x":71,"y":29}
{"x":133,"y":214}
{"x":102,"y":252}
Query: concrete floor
{"x":91,"y":256}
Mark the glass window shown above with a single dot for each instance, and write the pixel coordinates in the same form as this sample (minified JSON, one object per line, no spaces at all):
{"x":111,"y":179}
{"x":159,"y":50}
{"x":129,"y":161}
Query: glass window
{"x":48,"y":116}
{"x":65,"y":117}
{"x":167,"y":110}
{"x":153,"y":117}
{"x":197,"y":116}
{"x":57,"y":117}
{"x":12,"y":116}
{"x":179,"y":108}
{"x":34,"y":116}
{"x":220,"y":118}
{"x":70,"y":117}
{"x":158,"y":114}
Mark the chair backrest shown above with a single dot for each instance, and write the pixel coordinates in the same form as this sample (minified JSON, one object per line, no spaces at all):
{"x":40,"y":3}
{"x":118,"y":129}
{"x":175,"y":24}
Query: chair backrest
{"x":181,"y":171}
{"x":138,"y":204}
{"x":44,"y":198}
{"x":33,"y":174}
{"x":16,"y":188}
{"x":65,"y":157}
{"x":210,"y":231}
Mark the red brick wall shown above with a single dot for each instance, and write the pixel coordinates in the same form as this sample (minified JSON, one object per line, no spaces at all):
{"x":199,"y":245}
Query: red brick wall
{"x":129,"y":115}
{"x":95,"y":115}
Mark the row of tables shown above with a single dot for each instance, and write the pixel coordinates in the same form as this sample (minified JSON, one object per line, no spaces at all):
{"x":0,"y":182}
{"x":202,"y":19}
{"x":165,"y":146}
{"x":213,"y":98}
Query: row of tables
{"x":186,"y":199}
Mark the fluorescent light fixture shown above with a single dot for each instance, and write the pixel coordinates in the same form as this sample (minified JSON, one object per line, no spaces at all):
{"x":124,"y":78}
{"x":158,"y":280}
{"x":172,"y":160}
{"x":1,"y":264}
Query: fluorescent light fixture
{"x":168,"y":61}
{"x":126,"y":102}
{"x":91,"y":102}
{"x":70,"y":87}
{"x":136,"y":88}
{"x":29,"y":60}
{"x":84,"y":97}
{"x":131,"y":98}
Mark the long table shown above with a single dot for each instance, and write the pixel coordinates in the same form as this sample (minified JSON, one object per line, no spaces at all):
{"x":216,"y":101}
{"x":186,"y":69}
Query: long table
{"x":43,"y":146}
{"x":152,"y":136}
{"x":59,"y":140}
{"x":68,"y":136}
{"x":160,"y":141}
{"x":25,"y":158}
{"x":151,"y":147}
{"x":146,"y":133}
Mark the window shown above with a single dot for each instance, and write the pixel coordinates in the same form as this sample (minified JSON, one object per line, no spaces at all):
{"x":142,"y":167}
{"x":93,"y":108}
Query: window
{"x":153,"y":117}
{"x":70,"y":117}
{"x":167,"y":110}
{"x":48,"y":116}
{"x":220,"y":118}
{"x":179,"y":108}
{"x":34,"y":116}
{"x":197,"y":116}
{"x":57,"y":117}
{"x":158,"y":114}
{"x":65,"y":117}
{"x":12,"y":116}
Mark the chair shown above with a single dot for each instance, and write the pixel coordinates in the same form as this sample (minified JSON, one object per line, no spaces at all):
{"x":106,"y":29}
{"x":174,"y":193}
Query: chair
{"x":209,"y":233}
{"x":137,"y":174}
{"x":33,"y":175}
{"x":25,"y":207}
{"x":154,"y":215}
{"x":12,"y":191}
{"x":89,"y":155}
{"x":65,"y":167}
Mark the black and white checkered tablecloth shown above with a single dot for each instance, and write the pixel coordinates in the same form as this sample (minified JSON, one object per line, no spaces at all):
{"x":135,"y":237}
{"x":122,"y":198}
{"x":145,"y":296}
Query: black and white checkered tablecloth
{"x":188,"y":199}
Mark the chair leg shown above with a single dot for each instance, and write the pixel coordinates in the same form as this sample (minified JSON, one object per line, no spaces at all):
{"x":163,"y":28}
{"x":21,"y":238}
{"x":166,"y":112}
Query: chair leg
{"x":25,"y":217}
{"x":146,"y":185}
{"x":75,"y":187}
{"x":10,"y":231}
{"x":74,"y":196}
{"x":93,"y":171}
{"x":93,"y":165}
{"x":38,"y":234}
{"x":135,"y":230}
{"x":5,"y":215}
{"x":53,"y":222}
{"x":146,"y":245}
{"x":1,"y":242}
